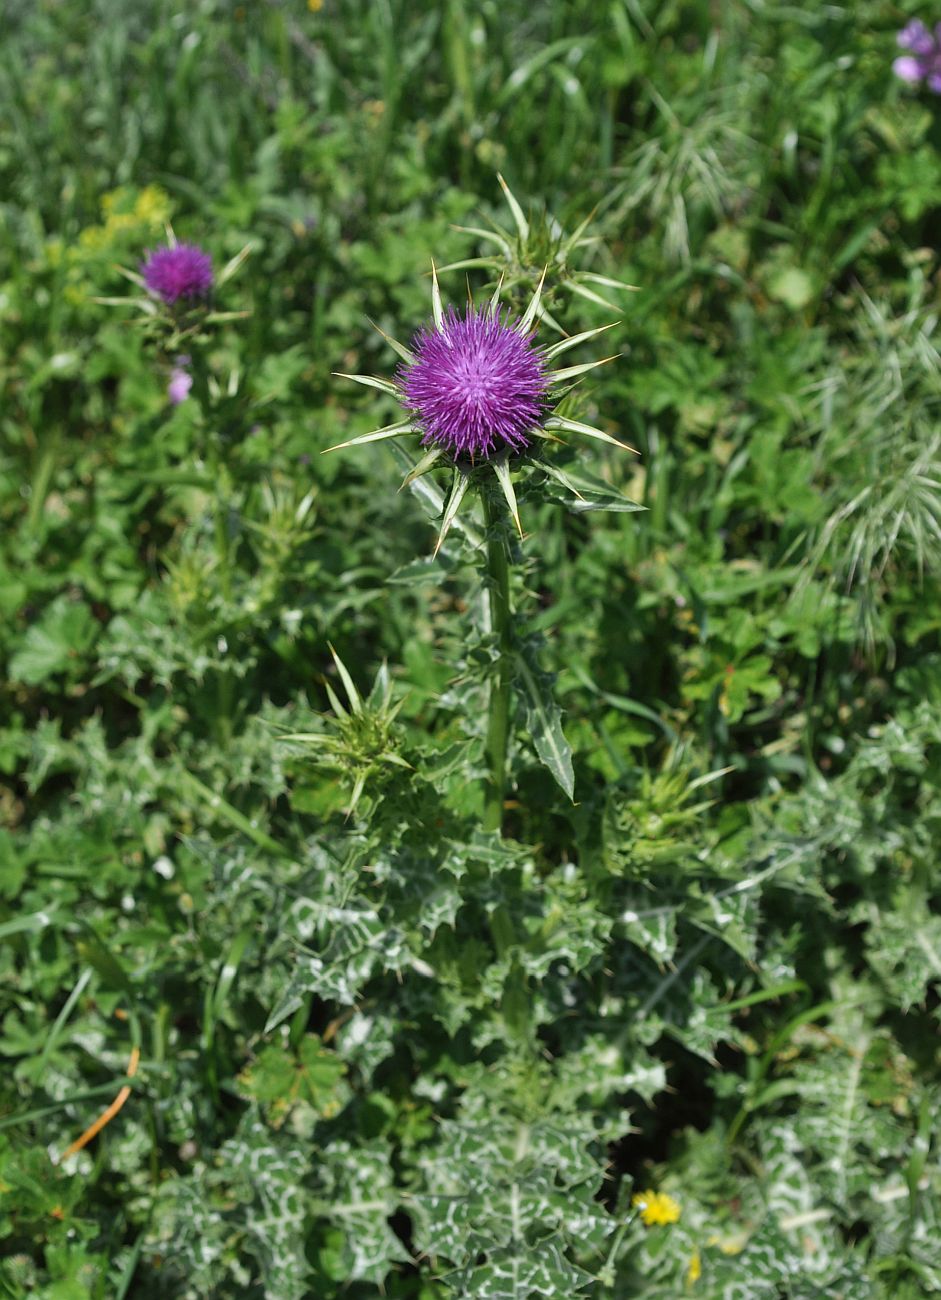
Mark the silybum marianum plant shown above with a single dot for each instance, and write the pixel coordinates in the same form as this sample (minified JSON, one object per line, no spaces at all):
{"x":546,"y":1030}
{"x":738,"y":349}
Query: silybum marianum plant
{"x":179,"y":316}
{"x":488,"y":404}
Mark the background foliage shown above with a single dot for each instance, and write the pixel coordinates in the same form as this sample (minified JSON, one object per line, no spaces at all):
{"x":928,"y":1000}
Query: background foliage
{"x":382,"y":1054}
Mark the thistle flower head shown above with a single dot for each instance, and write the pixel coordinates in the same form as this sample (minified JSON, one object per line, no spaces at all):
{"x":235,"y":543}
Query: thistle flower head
{"x":180,"y":271}
{"x":476,"y":385}
{"x":476,"y":389}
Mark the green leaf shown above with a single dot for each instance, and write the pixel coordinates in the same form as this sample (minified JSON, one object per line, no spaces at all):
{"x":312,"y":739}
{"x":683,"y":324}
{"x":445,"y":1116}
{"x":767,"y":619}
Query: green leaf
{"x":529,"y":315}
{"x":502,"y":470}
{"x":371,"y":381}
{"x":585,"y":491}
{"x":377,"y":435}
{"x":436,"y":310}
{"x":563,"y":345}
{"x":405,"y":353}
{"x":280,"y":1079}
{"x":459,"y":485}
{"x":545,"y":724}
{"x":522,"y":225}
{"x":572,"y":372}
{"x":422,"y":466}
{"x":575,"y":426}
{"x":56,"y":644}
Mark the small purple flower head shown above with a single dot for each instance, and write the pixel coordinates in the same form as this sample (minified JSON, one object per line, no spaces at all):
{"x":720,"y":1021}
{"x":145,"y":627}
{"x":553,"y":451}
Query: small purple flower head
{"x":916,"y":38}
{"x":181,"y":271}
{"x":181,"y":381}
{"x":923,"y":61}
{"x":476,"y":385}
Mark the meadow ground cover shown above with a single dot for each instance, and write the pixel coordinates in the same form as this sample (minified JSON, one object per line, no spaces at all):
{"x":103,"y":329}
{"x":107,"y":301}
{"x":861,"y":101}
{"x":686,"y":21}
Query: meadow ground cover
{"x":393,"y":904}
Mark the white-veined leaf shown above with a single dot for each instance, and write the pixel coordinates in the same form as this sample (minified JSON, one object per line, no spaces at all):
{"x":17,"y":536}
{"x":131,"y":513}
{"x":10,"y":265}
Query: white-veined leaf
{"x":545,"y":726}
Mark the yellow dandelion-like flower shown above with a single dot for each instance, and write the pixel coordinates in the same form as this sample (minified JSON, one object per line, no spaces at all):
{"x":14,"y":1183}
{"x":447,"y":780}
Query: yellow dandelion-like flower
{"x":656,"y":1207}
{"x":315,"y":6}
{"x":694,"y":1272}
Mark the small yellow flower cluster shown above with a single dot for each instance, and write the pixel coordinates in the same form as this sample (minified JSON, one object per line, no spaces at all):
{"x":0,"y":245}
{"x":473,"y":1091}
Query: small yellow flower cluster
{"x":127,"y":211}
{"x":656,"y":1207}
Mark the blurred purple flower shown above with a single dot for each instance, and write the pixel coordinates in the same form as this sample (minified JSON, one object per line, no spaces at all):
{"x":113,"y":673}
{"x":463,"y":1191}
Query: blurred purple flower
{"x":923,"y":61}
{"x":909,"y":69}
{"x":916,"y":37}
{"x":181,"y":271}
{"x":181,"y":381}
{"x":476,"y":385}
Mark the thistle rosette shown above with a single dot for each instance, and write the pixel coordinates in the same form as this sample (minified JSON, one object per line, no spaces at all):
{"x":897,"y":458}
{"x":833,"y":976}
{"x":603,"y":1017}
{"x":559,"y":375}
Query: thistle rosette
{"x":483,"y":396}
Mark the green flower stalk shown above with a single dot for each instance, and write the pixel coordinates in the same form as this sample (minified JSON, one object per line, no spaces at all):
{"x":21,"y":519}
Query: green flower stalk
{"x":177,"y":313}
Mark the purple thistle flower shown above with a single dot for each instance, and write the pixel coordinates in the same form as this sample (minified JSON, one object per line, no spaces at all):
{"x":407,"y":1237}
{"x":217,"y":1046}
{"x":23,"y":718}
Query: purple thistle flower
{"x":476,"y":385}
{"x":923,"y":61}
{"x":181,"y":271}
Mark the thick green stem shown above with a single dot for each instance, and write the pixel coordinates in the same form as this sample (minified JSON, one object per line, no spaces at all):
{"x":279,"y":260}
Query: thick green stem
{"x":498,"y":722}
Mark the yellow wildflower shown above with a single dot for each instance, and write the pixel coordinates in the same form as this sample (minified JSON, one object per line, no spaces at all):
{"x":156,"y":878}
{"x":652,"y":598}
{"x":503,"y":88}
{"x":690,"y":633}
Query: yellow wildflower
{"x":694,"y":1272}
{"x":656,"y":1207}
{"x":93,"y":237}
{"x":152,"y":206}
{"x":315,"y":6}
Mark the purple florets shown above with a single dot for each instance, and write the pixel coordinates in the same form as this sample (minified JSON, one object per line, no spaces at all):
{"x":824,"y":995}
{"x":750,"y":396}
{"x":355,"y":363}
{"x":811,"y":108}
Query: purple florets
{"x":182,"y":271}
{"x":476,"y":386}
{"x":181,"y":381}
{"x":923,"y":61}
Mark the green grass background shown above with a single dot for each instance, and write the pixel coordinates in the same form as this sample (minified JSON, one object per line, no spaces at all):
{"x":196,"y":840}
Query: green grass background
{"x":715,"y":975}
